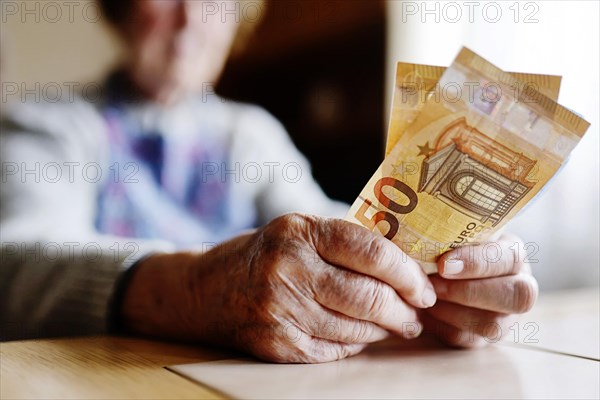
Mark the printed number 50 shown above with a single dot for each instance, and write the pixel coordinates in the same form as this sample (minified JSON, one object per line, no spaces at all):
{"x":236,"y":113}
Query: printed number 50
{"x":391,"y":205}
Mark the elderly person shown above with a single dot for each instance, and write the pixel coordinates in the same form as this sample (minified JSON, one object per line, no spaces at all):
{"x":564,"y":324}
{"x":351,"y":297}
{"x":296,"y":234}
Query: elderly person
{"x":165,"y":212}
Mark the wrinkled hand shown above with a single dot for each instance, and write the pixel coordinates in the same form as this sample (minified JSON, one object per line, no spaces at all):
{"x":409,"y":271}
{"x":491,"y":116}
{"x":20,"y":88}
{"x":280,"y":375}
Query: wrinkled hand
{"x":479,"y":289}
{"x":300,"y":289}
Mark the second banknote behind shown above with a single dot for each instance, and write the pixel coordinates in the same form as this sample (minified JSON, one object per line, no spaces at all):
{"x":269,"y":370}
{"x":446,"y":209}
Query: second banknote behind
{"x":415,"y":82}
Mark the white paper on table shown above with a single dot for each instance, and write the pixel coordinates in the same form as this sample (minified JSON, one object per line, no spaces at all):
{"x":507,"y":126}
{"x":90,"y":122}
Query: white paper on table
{"x":395,"y":369}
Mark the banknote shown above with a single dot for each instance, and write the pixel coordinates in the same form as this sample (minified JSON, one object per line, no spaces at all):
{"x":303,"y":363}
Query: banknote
{"x":414,"y":82}
{"x":483,"y":145}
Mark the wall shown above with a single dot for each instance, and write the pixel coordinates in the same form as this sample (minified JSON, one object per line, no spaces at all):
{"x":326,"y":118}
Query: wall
{"x":55,"y":41}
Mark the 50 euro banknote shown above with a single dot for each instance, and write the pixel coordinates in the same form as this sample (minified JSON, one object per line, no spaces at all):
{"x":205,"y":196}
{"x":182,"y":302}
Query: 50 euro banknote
{"x":415,"y":82}
{"x":483,"y":144}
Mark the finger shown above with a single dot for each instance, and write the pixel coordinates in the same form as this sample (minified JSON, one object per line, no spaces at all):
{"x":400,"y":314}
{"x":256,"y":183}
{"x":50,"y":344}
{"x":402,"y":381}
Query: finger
{"x":290,"y":343}
{"x":334,"y":326}
{"x":364,"y":298}
{"x":351,"y":246}
{"x":495,"y":258}
{"x":308,"y":349}
{"x":449,"y":333}
{"x":508,"y":294}
{"x":487,"y":324}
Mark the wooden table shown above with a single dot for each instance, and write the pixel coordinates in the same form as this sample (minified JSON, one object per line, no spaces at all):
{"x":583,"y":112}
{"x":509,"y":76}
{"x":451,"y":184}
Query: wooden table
{"x":112,"y":367}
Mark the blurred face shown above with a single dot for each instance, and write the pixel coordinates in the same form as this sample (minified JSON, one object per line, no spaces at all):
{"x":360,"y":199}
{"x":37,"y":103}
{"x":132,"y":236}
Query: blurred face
{"x":175,"y":48}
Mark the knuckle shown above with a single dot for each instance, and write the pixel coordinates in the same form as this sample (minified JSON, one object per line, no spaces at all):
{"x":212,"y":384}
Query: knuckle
{"x":510,"y":262}
{"x":338,"y":351}
{"x":386,"y":258}
{"x":494,"y":259}
{"x":290,"y":218}
{"x":378,"y":256}
{"x":511,"y":244}
{"x":299,"y":347}
{"x":376,"y":252}
{"x":484,"y":260}
{"x":388,"y":261}
{"x":377,"y":298}
{"x":313,"y":351}
{"x":525,"y":293}
{"x":284,"y":240}
{"x":466,"y":291}
{"x":277,"y":254}
{"x":345,"y":351}
{"x":414,"y":287}
{"x":285,"y":225}
{"x":504,"y":263}
{"x":295,"y":219}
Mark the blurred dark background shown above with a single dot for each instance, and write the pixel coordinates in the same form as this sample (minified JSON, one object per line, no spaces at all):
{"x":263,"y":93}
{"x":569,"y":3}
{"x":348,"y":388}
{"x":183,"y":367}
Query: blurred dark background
{"x":319,"y":67}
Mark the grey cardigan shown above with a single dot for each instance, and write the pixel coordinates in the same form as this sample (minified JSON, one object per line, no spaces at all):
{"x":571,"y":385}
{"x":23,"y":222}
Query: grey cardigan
{"x":58,"y":274}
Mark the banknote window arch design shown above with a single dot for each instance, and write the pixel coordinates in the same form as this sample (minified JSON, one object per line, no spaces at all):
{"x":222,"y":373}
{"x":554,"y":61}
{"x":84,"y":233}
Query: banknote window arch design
{"x":475,"y":174}
{"x":477,"y":192}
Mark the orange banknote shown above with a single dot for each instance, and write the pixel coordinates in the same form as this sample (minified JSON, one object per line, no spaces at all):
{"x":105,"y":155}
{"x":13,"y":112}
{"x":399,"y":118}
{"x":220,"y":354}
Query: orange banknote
{"x":483,"y":144}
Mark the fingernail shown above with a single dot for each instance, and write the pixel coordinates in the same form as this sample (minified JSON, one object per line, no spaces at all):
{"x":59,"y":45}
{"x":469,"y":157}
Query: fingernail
{"x":411,"y":330}
{"x":429,"y":297}
{"x":453,"y":266}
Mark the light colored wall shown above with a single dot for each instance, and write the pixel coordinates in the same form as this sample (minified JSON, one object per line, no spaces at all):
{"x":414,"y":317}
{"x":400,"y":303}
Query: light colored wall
{"x":41,"y":45}
{"x":564,"y":221}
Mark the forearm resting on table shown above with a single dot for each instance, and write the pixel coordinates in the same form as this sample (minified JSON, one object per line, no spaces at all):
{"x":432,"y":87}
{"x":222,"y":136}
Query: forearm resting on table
{"x":170,"y":295}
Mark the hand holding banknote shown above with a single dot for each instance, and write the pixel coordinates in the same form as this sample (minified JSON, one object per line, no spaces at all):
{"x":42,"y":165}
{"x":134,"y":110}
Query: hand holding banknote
{"x":478,"y":298}
{"x":480,"y":146}
{"x":301,"y":289}
{"x":468,"y":147}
